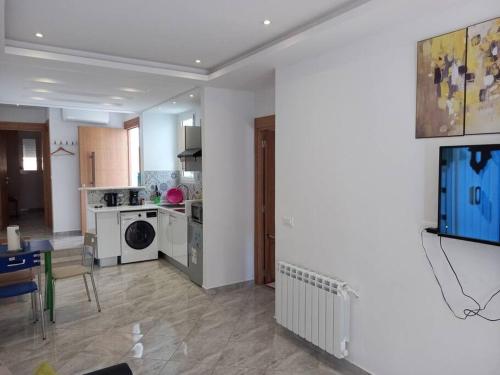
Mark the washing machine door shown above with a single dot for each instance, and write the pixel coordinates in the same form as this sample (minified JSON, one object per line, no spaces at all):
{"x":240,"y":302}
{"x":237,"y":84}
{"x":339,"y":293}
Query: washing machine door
{"x":139,"y":235}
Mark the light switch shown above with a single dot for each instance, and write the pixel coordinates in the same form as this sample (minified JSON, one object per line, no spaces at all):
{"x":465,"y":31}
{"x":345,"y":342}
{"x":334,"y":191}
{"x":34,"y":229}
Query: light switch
{"x":289,"y":221}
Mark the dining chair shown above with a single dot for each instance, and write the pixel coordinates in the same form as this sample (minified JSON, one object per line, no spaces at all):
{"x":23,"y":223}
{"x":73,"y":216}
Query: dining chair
{"x":20,"y":286}
{"x":81,"y":270}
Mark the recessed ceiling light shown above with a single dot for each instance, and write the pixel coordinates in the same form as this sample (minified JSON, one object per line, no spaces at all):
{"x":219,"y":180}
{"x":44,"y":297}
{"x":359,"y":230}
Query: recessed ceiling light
{"x":41,"y":91}
{"x":197,"y":61}
{"x":107,"y":104}
{"x":191,"y":95}
{"x":267,"y":22}
{"x":117,"y":97}
{"x":174,"y":102}
{"x":130,"y":89}
{"x":37,"y":98}
{"x":39,"y":35}
{"x":46,"y":80}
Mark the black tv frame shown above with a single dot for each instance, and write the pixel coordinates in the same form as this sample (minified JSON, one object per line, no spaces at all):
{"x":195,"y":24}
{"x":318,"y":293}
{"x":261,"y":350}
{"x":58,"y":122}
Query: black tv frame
{"x":439,"y":233}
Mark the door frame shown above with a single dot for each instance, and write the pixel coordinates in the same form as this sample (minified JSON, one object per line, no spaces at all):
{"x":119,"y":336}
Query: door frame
{"x":261,"y":124}
{"x":42,"y":128}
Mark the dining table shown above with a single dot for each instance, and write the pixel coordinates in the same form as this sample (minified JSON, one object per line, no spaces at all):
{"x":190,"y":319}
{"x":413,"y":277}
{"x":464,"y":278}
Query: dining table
{"x":43,"y":247}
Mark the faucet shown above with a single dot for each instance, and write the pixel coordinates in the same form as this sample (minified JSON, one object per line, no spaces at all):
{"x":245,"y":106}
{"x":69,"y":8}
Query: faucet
{"x":185,"y":190}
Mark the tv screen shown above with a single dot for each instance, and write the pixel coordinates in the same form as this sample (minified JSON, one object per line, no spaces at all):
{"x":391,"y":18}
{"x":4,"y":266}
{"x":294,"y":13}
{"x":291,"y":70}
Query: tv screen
{"x":469,"y":199}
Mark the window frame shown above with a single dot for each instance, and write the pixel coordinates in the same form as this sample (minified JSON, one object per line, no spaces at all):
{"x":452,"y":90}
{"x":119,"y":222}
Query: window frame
{"x":37,"y":155}
{"x":128,"y":126}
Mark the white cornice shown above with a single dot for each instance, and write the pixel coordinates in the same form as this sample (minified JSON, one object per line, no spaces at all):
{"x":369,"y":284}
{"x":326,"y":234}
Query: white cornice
{"x":40,"y":51}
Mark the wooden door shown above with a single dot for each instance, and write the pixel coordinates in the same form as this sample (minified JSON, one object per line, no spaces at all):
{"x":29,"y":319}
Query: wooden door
{"x":47,"y":177}
{"x":264,"y":200}
{"x":103,"y":161}
{"x":4,"y":202}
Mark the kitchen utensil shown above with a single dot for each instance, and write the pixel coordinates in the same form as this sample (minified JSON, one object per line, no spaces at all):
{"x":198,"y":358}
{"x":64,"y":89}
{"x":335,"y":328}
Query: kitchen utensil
{"x":175,"y":195}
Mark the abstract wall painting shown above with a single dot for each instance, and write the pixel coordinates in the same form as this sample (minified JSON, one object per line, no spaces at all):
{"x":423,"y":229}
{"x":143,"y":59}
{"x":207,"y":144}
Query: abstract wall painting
{"x":483,"y":78}
{"x":441,"y":65}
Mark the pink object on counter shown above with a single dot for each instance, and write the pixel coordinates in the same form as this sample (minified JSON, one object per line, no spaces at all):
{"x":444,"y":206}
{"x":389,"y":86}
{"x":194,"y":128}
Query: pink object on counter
{"x":175,"y":195}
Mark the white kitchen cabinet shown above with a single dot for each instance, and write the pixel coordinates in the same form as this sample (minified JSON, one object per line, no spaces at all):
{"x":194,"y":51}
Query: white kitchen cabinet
{"x":178,"y":225}
{"x":108,"y":234}
{"x":164,"y":243}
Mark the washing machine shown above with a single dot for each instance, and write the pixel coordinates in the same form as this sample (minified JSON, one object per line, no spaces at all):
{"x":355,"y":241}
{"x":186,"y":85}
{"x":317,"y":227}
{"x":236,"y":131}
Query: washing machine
{"x":138,"y":236}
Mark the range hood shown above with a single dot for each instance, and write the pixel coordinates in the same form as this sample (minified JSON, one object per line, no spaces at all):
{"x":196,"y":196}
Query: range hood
{"x":191,"y":156}
{"x":190,"y":153}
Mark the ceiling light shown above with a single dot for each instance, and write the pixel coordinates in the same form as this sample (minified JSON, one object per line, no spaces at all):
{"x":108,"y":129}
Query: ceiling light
{"x":116,"y":97}
{"x":46,"y":80}
{"x":197,"y":61}
{"x":174,"y":102}
{"x":130,"y":89}
{"x":107,"y":104}
{"x":267,"y":22}
{"x":39,"y":35}
{"x":37,"y":98}
{"x":41,"y":91}
{"x":191,"y":95}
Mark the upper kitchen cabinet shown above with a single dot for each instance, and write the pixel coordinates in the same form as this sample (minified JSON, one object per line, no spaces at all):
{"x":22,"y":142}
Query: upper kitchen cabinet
{"x":103,"y":157}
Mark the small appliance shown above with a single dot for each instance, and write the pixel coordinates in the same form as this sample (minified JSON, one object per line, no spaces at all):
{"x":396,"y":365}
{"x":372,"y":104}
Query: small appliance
{"x":197,"y":212}
{"x":111,"y":199}
{"x":133,"y":198}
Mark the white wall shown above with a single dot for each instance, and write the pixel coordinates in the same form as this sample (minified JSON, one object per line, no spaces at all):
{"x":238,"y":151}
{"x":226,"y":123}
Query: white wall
{"x":345,"y":136}
{"x":228,"y":184}
{"x":14,"y":113}
{"x":264,"y":101}
{"x":66,"y":170}
{"x":159,"y":141}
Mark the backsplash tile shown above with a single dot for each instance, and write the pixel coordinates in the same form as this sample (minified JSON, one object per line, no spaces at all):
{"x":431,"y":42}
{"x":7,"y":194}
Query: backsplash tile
{"x":150,"y":179}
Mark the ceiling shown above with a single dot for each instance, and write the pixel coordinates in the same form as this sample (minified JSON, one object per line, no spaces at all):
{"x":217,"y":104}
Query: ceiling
{"x":172,"y":32}
{"x":129,"y":55}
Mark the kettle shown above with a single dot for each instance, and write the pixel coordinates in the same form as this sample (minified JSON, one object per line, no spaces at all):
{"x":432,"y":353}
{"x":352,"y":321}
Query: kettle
{"x":111,"y":199}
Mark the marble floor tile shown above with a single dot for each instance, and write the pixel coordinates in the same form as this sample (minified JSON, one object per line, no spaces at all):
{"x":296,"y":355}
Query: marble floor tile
{"x":154,"y":347}
{"x":160,"y":323}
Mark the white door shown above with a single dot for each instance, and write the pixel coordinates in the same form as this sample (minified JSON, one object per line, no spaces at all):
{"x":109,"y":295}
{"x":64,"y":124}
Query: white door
{"x":179,"y":239}
{"x":108,"y":234}
{"x":164,"y":244}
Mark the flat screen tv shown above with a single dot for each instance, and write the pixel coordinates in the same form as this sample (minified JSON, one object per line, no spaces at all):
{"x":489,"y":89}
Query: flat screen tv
{"x":469,"y":193}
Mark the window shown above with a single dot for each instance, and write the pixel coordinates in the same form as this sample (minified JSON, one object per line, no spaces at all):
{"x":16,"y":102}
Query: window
{"x":30,"y":160}
{"x":186,"y":175}
{"x":134,"y":156}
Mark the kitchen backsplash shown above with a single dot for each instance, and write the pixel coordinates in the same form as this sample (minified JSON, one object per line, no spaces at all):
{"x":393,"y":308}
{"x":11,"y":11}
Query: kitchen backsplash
{"x":164,"y":180}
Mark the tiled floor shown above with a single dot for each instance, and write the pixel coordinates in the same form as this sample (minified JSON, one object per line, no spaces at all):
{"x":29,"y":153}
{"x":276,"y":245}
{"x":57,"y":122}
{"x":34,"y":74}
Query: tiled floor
{"x":155,"y":319}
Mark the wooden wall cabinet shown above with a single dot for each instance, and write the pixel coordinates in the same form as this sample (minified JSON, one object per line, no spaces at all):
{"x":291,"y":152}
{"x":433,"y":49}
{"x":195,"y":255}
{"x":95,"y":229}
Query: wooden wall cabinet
{"x":103,"y":161}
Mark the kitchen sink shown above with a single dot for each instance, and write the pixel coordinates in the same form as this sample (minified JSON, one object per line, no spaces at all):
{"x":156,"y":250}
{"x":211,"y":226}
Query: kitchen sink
{"x":181,"y":210}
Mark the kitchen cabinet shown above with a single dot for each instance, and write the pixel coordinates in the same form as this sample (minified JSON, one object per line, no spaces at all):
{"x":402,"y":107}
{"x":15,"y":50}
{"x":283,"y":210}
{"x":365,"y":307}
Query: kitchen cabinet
{"x":173,"y":236}
{"x":103,"y":154}
{"x":164,"y":243}
{"x":179,"y":228}
{"x":108,"y":232}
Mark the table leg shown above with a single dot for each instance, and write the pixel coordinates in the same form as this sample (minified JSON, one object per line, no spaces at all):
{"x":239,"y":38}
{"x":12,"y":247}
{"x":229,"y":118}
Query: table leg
{"x":49,"y":291}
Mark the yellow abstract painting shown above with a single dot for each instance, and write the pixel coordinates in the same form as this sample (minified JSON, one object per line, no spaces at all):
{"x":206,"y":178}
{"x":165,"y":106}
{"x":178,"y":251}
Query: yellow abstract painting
{"x":441,"y":85}
{"x":483,"y":78}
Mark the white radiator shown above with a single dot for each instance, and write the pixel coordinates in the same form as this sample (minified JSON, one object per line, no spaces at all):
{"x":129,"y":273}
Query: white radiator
{"x":313,"y":306}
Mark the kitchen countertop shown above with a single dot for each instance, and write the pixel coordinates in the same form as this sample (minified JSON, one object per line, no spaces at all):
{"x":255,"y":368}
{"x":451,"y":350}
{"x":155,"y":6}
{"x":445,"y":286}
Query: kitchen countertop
{"x":112,"y":188}
{"x":125,"y":208}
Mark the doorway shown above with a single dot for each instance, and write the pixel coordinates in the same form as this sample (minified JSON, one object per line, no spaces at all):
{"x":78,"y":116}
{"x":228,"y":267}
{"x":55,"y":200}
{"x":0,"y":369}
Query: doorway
{"x":25,"y":191}
{"x":264,"y":200}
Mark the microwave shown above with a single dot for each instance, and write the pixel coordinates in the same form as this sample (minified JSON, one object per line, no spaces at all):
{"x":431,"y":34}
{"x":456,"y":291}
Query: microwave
{"x":197,"y":212}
